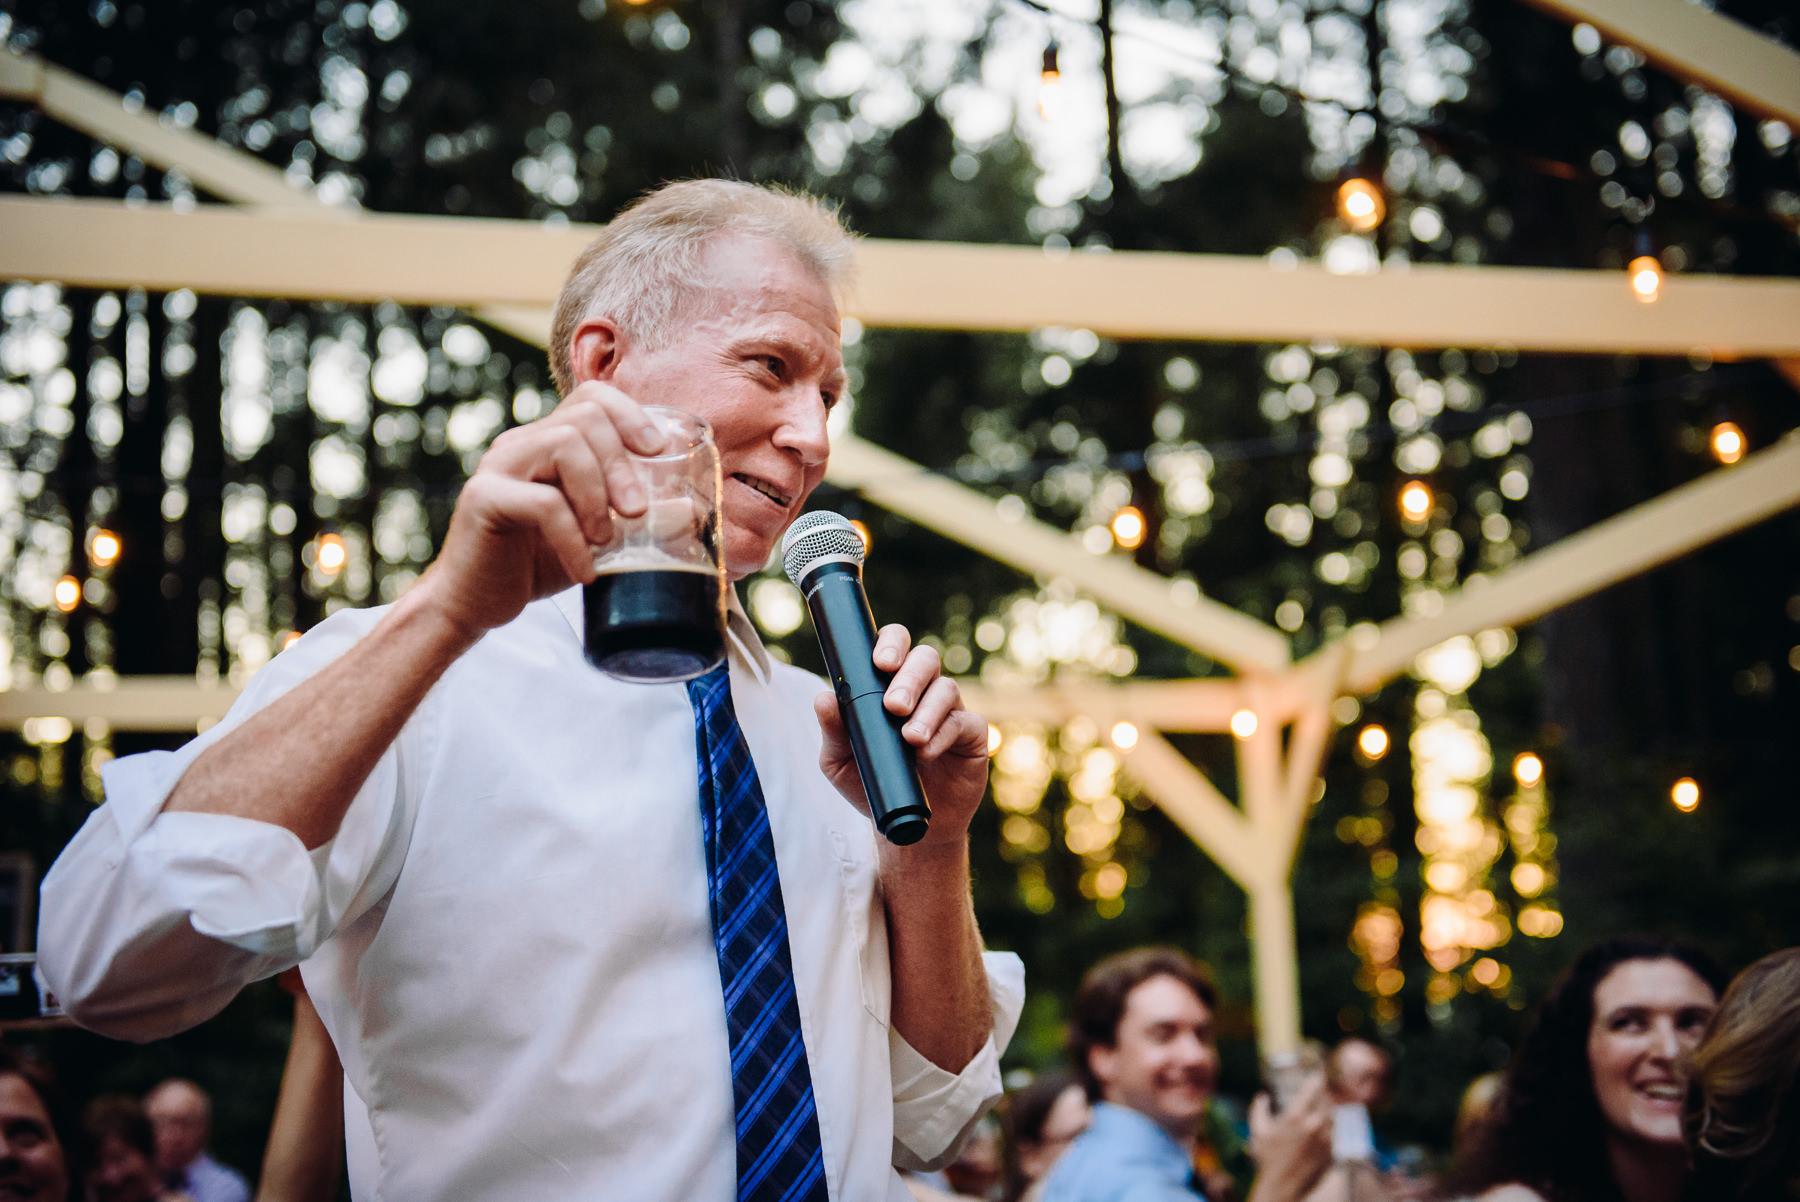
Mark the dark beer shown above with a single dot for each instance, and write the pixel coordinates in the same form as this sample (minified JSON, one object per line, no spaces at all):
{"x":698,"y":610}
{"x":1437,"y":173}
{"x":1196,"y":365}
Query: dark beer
{"x":650,"y":624}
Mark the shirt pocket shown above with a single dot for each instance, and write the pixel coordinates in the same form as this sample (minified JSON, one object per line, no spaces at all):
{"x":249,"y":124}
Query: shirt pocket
{"x":867,"y":918}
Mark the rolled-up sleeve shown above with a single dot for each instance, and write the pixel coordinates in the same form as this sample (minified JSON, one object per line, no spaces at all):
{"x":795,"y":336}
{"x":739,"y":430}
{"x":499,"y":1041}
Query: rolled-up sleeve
{"x":934,"y":1109}
{"x":150,"y":922}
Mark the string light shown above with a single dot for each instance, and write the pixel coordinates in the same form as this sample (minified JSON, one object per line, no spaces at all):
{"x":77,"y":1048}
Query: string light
{"x":1360,"y":204}
{"x":1243,"y":723}
{"x":1128,"y":528}
{"x":68,"y":593}
{"x":1685,"y":793}
{"x":994,"y":738}
{"x":1050,"y":85}
{"x":1528,"y":770}
{"x":1372,"y":742}
{"x":287,"y":638}
{"x":1415,"y":500}
{"x":104,"y":548}
{"x":1124,"y":736}
{"x":862,"y":532}
{"x":331,"y":555}
{"x":1727,"y":442}
{"x":1646,"y":278}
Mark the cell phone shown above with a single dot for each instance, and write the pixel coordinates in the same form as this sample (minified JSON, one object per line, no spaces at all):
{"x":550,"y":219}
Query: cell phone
{"x":21,"y":998}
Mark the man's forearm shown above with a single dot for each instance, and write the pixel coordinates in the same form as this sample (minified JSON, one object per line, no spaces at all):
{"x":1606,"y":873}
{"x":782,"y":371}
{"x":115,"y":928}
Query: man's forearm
{"x":940,"y":995}
{"x":299,"y":762}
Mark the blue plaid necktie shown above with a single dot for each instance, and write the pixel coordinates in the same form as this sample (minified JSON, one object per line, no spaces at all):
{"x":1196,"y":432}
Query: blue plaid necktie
{"x":779,"y":1155}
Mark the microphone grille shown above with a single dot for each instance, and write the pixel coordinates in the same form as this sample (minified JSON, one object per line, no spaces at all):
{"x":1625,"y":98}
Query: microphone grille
{"x":817,"y":537}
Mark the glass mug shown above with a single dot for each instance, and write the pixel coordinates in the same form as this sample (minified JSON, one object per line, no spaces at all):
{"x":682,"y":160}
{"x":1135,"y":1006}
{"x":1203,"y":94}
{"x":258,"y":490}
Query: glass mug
{"x":656,"y":611}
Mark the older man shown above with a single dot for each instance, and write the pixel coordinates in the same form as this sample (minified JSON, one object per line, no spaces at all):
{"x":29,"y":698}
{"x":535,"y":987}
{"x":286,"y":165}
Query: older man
{"x":1142,"y":1039}
{"x":515,"y":886}
{"x":180,"y":1114}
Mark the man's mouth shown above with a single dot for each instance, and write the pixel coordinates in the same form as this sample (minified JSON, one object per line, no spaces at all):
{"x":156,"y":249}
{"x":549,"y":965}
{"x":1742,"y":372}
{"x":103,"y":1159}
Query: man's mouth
{"x":775,"y":494}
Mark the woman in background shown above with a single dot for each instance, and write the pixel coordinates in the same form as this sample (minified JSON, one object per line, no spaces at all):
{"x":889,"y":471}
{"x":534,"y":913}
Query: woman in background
{"x":1743,"y":1104}
{"x":1040,"y":1120}
{"x":34,"y":1147}
{"x":1591,"y":1107}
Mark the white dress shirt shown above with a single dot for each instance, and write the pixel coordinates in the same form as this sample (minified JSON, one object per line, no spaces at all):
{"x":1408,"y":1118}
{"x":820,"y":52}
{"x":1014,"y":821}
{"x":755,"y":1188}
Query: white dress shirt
{"x":509,"y":938}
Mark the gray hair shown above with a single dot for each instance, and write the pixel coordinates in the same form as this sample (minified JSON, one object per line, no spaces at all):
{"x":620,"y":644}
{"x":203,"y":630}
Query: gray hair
{"x":644,"y":269}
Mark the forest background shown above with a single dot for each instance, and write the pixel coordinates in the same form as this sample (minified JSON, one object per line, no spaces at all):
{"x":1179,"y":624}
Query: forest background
{"x":226,"y":443}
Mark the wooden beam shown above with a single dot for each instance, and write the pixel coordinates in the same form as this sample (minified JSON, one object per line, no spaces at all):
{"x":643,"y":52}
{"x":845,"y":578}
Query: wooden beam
{"x":147,"y":703}
{"x":1751,"y":70}
{"x":1721,"y":502}
{"x":225,"y":172}
{"x":1031,"y":546}
{"x":327,"y":254}
{"x":1182,"y":792}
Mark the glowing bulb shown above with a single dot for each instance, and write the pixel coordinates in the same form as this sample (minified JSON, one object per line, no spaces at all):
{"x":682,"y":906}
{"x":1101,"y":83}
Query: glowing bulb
{"x":1360,"y":204}
{"x":1128,"y":528}
{"x":1415,"y":500}
{"x":862,"y":532}
{"x":68,"y":593}
{"x":1243,"y":723}
{"x":1646,"y":278}
{"x":288,"y":638}
{"x":1372,"y":742}
{"x":1124,"y":736}
{"x":331,"y":555}
{"x":1685,"y":794}
{"x":993,"y":738}
{"x":104,"y":549}
{"x":1528,"y":770}
{"x":1050,"y":86}
{"x":1728,"y":442}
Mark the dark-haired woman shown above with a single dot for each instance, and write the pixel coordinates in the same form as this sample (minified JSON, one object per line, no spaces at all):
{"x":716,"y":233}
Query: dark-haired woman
{"x":34,"y":1151}
{"x":1743,"y":1108}
{"x":1591,"y":1108}
{"x":1040,"y":1120}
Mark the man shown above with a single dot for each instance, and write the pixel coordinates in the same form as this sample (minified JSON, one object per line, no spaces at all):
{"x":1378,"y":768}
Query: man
{"x":180,"y":1114}
{"x":515,"y":887}
{"x":1142,"y":1038}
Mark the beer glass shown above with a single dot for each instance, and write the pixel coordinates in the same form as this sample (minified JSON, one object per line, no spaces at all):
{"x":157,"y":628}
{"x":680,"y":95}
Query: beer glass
{"x":656,"y":612}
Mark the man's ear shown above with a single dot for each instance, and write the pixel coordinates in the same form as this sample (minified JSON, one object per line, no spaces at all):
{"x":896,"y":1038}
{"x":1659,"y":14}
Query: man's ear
{"x":1101,"y":1062}
{"x":595,"y":349}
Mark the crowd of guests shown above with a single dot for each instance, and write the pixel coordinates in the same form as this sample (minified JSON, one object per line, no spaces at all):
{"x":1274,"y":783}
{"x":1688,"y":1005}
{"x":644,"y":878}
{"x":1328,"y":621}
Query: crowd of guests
{"x":1644,"y":1077}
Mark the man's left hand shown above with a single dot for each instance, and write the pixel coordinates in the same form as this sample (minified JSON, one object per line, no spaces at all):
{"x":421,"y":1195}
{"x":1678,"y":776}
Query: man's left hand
{"x":949,"y":742}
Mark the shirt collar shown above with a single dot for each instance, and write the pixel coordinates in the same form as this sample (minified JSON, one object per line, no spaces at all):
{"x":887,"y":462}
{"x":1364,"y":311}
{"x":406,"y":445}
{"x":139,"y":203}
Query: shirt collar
{"x":1123,"y":1125}
{"x":740,"y":631}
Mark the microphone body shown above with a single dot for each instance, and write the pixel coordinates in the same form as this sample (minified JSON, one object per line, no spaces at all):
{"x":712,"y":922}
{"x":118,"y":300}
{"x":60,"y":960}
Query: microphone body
{"x":833,"y":589}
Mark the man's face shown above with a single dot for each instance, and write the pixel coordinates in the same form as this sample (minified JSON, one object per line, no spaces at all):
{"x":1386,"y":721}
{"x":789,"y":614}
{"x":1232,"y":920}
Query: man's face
{"x":33,"y":1165}
{"x":1164,"y":1063}
{"x":178,"y":1116}
{"x":760,"y":361}
{"x":1362,"y":1072}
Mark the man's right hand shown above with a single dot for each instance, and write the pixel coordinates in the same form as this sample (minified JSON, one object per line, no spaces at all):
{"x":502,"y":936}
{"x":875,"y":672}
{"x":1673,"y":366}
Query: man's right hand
{"x":540,"y":499}
{"x":1292,"y":1149}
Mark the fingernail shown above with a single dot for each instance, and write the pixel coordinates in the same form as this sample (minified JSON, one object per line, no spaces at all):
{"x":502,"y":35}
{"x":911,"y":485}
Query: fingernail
{"x":902,"y":698}
{"x":631,"y":497}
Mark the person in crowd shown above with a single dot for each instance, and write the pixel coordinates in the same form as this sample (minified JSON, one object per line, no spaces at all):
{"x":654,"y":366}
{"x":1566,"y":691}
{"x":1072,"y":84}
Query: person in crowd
{"x":1142,"y":1038}
{"x":1041,"y":1119}
{"x":561,"y":950}
{"x":121,"y":1153}
{"x":1591,"y":1107}
{"x":303,"y":1160}
{"x":1743,"y":1105}
{"x":1475,"y":1113}
{"x":181,"y":1117}
{"x":35,"y":1149}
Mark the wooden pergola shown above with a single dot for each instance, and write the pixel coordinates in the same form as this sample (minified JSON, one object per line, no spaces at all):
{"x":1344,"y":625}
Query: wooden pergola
{"x":276,"y":240}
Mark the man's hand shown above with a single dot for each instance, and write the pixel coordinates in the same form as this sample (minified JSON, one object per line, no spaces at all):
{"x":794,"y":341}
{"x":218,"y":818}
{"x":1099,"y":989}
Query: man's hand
{"x":1292,"y":1149}
{"x":540,"y":500}
{"x":948,"y":742}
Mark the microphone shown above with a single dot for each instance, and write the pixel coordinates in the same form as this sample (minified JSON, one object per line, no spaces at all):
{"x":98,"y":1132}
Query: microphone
{"x":823,"y":554}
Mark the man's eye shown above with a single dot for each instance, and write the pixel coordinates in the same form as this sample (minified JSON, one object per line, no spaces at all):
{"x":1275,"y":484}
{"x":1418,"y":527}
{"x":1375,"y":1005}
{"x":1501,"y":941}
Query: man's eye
{"x":830,"y":399}
{"x":776,"y":367}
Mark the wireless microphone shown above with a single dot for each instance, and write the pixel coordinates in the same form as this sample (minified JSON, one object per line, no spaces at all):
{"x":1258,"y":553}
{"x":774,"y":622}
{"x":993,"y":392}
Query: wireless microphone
{"x":823,"y":554}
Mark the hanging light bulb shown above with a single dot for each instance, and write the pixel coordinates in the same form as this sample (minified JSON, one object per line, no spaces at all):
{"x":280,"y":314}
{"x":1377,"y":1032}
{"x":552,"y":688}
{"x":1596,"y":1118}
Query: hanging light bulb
{"x":1646,"y":278}
{"x":1360,"y":204}
{"x":1050,"y":85}
{"x":1128,"y":527}
{"x":1415,"y":500}
{"x":67,"y":594}
{"x":104,"y":548}
{"x":1727,"y":442}
{"x":1685,"y":794}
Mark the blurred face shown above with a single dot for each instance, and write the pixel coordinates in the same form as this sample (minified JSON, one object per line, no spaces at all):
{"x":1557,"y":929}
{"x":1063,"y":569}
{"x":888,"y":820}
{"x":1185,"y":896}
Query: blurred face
{"x":178,"y":1115}
{"x":33,"y":1166}
{"x":1164,"y":1064}
{"x":1362,"y":1074}
{"x":1647,"y":1015}
{"x":122,"y":1174}
{"x":1068,"y":1118}
{"x":761,"y":362}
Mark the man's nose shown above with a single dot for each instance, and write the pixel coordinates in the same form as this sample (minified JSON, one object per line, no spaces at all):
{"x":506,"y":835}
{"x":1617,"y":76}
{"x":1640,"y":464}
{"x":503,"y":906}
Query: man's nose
{"x":803,"y":426}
